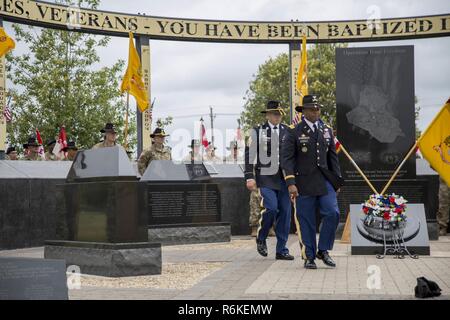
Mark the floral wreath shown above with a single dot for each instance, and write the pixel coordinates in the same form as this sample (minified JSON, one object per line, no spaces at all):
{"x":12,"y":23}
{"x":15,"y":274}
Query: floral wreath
{"x":389,"y":207}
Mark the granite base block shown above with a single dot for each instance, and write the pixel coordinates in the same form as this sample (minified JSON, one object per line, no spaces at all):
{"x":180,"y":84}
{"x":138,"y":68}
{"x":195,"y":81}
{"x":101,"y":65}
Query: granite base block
{"x":106,"y":259}
{"x":189,"y":234}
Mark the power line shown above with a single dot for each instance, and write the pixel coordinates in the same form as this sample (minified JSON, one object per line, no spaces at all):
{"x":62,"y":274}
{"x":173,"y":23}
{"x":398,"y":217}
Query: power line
{"x":205,"y":114}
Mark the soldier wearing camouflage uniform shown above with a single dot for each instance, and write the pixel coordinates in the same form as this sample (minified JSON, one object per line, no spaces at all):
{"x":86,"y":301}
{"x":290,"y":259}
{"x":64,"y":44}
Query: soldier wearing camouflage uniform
{"x":234,"y":156}
{"x":49,"y":155}
{"x":255,"y":211}
{"x":11,"y":154}
{"x":71,"y":150}
{"x":110,"y":136}
{"x":157,"y":151}
{"x":442,"y":215}
{"x":33,"y":150}
{"x":194,"y":156}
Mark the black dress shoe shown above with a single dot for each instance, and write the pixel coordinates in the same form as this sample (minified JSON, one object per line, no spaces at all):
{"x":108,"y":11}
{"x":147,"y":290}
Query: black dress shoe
{"x":284,"y":256}
{"x":325,"y":257}
{"x":310,"y":264}
{"x":261,"y":247}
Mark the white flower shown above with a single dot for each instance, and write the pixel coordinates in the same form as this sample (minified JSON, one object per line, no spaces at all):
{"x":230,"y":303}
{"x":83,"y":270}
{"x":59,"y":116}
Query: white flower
{"x":400,"y":201}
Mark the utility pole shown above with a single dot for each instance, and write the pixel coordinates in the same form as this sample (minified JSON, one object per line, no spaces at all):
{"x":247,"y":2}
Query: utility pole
{"x":212,"y":116}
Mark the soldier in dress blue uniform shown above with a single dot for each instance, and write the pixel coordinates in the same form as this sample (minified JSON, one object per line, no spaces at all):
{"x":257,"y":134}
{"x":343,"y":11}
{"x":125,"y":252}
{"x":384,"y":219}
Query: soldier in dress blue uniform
{"x":262,"y":170}
{"x":312,"y":173}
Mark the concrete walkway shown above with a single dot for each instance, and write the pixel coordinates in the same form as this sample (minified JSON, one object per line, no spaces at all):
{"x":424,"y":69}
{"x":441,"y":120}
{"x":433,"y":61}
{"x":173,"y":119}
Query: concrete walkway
{"x":238,"y":272}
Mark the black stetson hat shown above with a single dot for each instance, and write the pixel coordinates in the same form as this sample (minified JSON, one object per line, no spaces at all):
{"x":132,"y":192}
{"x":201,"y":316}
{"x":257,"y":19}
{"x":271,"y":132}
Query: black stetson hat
{"x":32,"y":142}
{"x":233,"y":145}
{"x":158,"y":132}
{"x":109,"y":127}
{"x":10,"y":149}
{"x":194,"y":143}
{"x":50,"y":142}
{"x":70,"y":145}
{"x":210,"y":145}
{"x":309,"y":102}
{"x":273,"y":105}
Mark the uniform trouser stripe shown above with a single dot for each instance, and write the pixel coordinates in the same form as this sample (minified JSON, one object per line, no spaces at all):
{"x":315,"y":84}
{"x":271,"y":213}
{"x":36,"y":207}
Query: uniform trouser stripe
{"x":299,"y":232}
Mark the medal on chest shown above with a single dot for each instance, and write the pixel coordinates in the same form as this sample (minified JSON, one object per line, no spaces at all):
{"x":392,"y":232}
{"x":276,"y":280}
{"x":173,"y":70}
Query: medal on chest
{"x":303,"y":139}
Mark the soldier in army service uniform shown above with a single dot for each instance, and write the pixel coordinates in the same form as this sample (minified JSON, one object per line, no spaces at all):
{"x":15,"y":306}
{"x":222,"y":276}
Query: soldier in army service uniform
{"x":442,"y":215}
{"x":157,"y":151}
{"x":262,"y":170}
{"x":312,"y":173}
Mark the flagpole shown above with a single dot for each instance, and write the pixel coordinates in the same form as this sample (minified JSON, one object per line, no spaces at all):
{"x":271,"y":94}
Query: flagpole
{"x":201,"y":138}
{"x":399,"y":167}
{"x":358,"y":169}
{"x":126,"y":122}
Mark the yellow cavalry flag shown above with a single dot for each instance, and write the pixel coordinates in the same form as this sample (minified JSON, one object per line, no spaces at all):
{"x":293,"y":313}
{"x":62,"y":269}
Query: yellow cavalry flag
{"x":132,"y":80}
{"x":434,"y":143}
{"x":6,"y":43}
{"x":302,"y":78}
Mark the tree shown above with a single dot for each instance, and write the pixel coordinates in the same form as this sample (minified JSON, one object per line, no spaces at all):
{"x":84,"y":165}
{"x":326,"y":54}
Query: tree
{"x":271,"y":82}
{"x":165,"y":122}
{"x":56,"y":83}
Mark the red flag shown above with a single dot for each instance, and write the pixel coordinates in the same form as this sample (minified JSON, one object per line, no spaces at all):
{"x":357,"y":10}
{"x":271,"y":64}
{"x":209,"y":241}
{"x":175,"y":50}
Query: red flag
{"x":205,"y":142}
{"x":38,"y":137}
{"x":337,"y":144}
{"x":60,"y":144}
{"x":41,"y":148}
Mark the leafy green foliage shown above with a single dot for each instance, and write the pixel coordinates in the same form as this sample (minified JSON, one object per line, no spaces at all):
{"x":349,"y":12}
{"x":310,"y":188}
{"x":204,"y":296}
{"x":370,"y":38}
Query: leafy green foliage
{"x":271,"y":82}
{"x":57,"y":82}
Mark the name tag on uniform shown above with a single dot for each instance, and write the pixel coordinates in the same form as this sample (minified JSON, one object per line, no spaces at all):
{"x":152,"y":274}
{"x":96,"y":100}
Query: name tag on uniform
{"x":303,"y":138}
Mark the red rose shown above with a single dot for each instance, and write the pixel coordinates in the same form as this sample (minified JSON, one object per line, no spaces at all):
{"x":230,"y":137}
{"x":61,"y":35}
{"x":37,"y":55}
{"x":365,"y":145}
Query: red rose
{"x":392,"y":199}
{"x":386,"y":216}
{"x":365,"y":209}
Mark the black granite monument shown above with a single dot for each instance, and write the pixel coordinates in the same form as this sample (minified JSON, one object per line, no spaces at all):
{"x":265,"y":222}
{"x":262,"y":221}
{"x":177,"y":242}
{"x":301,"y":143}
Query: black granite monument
{"x":375,"y":109}
{"x":102,"y":228}
{"x":32,"y":279}
{"x":181,"y":204}
{"x":376,"y":124}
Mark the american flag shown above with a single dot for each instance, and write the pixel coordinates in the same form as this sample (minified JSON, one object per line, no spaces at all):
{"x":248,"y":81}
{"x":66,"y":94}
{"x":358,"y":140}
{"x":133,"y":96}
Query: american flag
{"x":297,"y":118}
{"x":7,"y":114}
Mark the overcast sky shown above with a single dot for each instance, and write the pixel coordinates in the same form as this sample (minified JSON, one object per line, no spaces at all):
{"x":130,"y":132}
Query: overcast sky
{"x":188,"y":77}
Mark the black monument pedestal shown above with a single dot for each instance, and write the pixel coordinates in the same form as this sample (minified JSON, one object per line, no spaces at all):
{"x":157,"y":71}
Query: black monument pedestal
{"x":421,"y":190}
{"x":100,"y":227}
{"x":182,"y":205}
{"x":234,"y":196}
